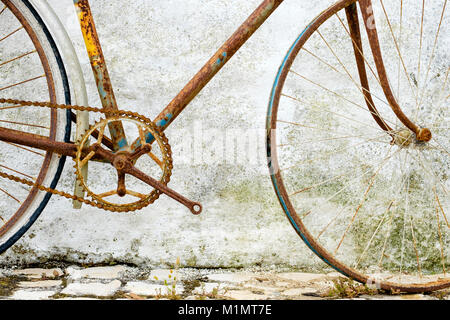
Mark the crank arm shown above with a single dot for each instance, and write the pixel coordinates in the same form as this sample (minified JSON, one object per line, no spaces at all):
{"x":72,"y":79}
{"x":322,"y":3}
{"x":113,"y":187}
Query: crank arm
{"x":194,"y":207}
{"x":124,"y":165}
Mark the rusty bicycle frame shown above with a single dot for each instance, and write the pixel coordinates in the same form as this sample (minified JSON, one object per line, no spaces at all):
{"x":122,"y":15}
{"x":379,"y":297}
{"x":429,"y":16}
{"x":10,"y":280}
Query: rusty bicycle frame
{"x":118,"y":140}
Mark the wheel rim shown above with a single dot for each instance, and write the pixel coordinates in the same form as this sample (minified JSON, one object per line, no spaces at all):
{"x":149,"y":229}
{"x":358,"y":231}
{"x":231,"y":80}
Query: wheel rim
{"x":288,"y":185}
{"x":33,"y":52}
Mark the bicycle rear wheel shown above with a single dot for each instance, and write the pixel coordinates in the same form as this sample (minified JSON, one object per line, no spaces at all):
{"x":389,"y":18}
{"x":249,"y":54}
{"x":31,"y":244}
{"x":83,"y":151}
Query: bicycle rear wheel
{"x":371,"y":203}
{"x":31,"y":69}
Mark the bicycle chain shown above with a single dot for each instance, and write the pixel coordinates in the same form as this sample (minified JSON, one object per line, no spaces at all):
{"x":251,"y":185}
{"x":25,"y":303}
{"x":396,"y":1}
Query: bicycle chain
{"x":130,"y":114}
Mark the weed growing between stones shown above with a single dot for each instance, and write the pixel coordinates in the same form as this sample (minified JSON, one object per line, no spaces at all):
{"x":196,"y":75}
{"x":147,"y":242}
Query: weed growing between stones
{"x":171,"y":284}
{"x":347,"y":288}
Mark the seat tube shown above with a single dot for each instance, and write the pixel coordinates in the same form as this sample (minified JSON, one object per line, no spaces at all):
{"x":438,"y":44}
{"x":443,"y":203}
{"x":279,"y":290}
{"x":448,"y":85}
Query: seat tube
{"x":100,"y":70}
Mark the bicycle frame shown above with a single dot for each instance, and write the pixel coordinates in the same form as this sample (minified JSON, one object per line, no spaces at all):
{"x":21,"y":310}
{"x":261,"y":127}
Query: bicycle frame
{"x":106,"y":92}
{"x":195,"y":85}
{"x":118,"y":140}
{"x":207,"y":72}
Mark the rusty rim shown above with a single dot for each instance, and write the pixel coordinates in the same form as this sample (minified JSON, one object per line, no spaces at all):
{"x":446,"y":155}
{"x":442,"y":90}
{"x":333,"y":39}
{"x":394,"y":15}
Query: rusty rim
{"x":25,"y":204}
{"x":297,"y":215}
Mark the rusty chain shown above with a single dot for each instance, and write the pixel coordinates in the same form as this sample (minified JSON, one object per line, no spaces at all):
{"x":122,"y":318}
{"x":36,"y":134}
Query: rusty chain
{"x":94,"y":203}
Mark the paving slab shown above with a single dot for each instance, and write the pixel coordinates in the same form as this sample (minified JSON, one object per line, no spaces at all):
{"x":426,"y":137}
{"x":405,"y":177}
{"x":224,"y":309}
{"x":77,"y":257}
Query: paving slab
{"x":32,"y":295}
{"x":92,"y":289}
{"x":302,"y":277}
{"x":40,"y":284}
{"x":110,"y":272}
{"x":151,"y":289}
{"x":231,"y":277}
{"x":39,"y":273}
{"x":298,"y":291}
{"x":245,"y":295}
{"x":133,"y":283}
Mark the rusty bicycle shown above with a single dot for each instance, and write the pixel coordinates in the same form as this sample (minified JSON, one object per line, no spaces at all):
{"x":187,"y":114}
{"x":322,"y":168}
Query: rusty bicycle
{"x":357,"y":134}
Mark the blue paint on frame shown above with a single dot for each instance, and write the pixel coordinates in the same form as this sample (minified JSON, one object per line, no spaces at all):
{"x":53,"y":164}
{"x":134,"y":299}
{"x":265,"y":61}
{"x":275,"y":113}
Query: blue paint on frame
{"x":165,"y":121}
{"x":269,"y":156}
{"x":122,"y":143}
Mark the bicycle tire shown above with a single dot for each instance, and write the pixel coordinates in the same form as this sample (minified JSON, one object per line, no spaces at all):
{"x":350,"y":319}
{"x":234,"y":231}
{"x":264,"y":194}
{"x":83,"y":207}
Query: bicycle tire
{"x":57,"y":90}
{"x":310,"y":228}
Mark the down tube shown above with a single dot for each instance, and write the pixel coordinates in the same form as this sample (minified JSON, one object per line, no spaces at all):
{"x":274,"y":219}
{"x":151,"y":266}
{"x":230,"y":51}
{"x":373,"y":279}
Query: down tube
{"x":217,"y":61}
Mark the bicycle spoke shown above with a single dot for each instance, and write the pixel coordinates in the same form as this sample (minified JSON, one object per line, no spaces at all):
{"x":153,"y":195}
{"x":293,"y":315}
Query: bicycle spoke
{"x":345,"y":69}
{"x":336,"y":94}
{"x":10,"y":107}
{"x":323,"y":61}
{"x":445,"y":84}
{"x":372,"y":71}
{"x":415,"y":245}
{"x":439,"y":146}
{"x":23,"y":148}
{"x":347,"y":185}
{"x":420,"y":50}
{"x":438,"y":222}
{"x":22,"y":82}
{"x":301,"y":125}
{"x":403,"y":179}
{"x":25,"y":124}
{"x":3,"y":10}
{"x":399,"y":53}
{"x":326,"y":155}
{"x":10,"y":34}
{"x":327,"y":139}
{"x":344,"y":188}
{"x":320,"y":129}
{"x":340,"y":115}
{"x":369,"y":242}
{"x":318,"y":184}
{"x":433,"y":52}
{"x":17,"y":58}
{"x":399,"y":62}
{"x":439,"y":206}
{"x":387,"y":236}
{"x":9,"y":195}
{"x":406,"y":208}
{"x":333,"y":220}
{"x":356,"y":84}
{"x":430,"y":171}
{"x":24,"y":174}
{"x":371,"y":182}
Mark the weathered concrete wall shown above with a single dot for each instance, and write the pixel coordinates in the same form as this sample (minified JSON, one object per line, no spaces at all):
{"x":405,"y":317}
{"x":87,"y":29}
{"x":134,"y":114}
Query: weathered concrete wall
{"x":152,"y":49}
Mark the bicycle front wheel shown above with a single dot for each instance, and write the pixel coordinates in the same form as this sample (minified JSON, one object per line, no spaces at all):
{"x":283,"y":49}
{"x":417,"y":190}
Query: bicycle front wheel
{"x":367,"y":197}
{"x":30,"y":69}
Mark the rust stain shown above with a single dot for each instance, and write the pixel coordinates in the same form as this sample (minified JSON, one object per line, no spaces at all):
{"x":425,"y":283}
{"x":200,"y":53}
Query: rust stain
{"x":100,"y":70}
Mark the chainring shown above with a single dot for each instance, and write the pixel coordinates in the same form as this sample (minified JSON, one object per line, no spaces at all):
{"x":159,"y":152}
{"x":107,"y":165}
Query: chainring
{"x":163,"y":160}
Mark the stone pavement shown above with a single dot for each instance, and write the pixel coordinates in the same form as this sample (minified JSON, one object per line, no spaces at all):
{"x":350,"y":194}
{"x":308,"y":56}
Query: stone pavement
{"x":124,"y":282}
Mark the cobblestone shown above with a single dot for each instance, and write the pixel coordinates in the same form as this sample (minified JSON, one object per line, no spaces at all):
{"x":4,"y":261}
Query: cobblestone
{"x":124,"y":282}
{"x":92,"y":289}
